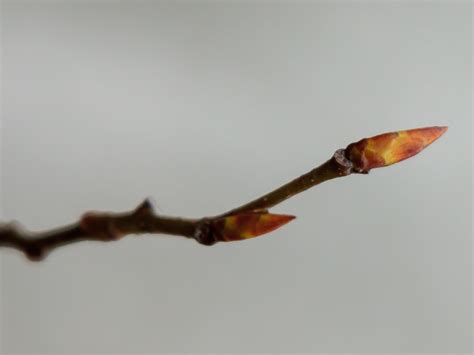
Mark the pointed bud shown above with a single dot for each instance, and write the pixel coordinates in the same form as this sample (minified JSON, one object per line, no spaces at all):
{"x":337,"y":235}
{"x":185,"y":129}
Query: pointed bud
{"x":248,"y":225}
{"x":390,"y":148}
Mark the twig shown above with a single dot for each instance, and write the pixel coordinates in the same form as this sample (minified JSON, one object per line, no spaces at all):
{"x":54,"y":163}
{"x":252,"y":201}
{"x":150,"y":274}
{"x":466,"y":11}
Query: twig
{"x":250,"y":219}
{"x":335,"y":167}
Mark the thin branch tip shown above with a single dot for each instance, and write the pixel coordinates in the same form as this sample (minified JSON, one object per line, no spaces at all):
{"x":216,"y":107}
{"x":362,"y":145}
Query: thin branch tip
{"x":247,"y":221}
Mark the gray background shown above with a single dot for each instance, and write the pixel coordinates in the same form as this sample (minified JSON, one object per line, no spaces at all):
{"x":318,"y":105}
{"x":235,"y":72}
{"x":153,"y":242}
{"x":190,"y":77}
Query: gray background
{"x":204,"y":106}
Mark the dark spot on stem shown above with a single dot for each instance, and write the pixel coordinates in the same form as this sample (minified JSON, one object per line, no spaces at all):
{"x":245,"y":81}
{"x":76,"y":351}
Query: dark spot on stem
{"x":205,"y":233}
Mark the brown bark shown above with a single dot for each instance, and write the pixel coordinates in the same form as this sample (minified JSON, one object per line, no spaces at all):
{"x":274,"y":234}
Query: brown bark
{"x":105,"y":226}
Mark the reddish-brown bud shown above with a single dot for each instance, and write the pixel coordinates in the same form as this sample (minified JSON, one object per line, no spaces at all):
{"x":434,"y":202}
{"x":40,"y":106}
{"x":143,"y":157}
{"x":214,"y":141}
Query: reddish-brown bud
{"x":390,"y":148}
{"x":248,"y":225}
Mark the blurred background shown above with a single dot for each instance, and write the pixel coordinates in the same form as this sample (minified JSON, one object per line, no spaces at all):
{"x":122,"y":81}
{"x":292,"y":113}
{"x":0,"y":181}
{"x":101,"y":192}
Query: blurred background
{"x":203,"y":106}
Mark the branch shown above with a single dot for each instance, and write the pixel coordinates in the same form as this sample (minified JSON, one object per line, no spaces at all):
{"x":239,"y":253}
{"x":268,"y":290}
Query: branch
{"x":247,"y":221}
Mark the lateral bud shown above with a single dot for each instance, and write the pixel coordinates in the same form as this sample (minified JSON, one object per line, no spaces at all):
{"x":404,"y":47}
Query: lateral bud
{"x":248,"y":225}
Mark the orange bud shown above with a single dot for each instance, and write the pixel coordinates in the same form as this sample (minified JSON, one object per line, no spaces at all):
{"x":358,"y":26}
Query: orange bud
{"x":390,"y":148}
{"x":248,"y":225}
